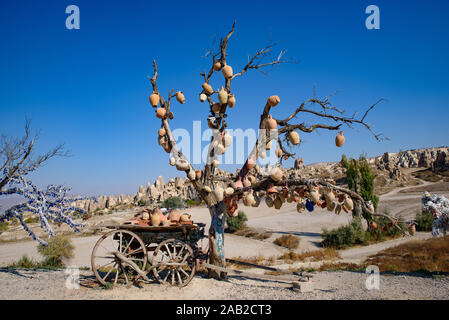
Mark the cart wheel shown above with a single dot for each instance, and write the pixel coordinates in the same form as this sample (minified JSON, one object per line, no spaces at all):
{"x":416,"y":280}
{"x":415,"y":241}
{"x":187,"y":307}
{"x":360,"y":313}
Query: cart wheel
{"x":174,"y":263}
{"x":107,"y":267}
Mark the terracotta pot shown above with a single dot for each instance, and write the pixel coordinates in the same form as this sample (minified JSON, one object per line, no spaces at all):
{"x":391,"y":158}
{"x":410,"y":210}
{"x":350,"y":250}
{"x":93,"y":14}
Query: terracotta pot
{"x":223,"y":96}
{"x":348,"y":204}
{"x":227,"y":139}
{"x":238,"y":184}
{"x":373,"y":225}
{"x":278,"y":152}
{"x":185,"y":217}
{"x":323,"y":204}
{"x":145,"y":216}
{"x":269,"y":201}
{"x":216,"y":107}
{"x":293,"y":137}
{"x":227,"y":71}
{"x":217,"y":66}
{"x":167,"y":147}
{"x":231,"y":100}
{"x":276,"y":174}
{"x":271,"y":123}
{"x":161,"y":132}
{"x":339,"y":139}
{"x":207,"y":88}
{"x":331,"y":206}
{"x":300,"y":207}
{"x":272,"y":189}
{"x":273,"y":101}
{"x":191,"y":175}
{"x":198,"y":174}
{"x":180,"y":97}
{"x":229,"y":191}
{"x":220,"y":149}
{"x":219,"y":194}
{"x":174,"y":215}
{"x":412,"y":229}
{"x":182,"y":165}
{"x":246,"y":183}
{"x":155,"y":219}
{"x":231,"y":206}
{"x":268,"y":146}
{"x":203,"y":97}
{"x":338,"y":209}
{"x":330,"y":197}
{"x":154,"y":99}
{"x":172,"y":161}
{"x":341,"y":197}
{"x":277,"y":203}
{"x":314,"y":195}
{"x":250,"y":163}
{"x":160,"y":113}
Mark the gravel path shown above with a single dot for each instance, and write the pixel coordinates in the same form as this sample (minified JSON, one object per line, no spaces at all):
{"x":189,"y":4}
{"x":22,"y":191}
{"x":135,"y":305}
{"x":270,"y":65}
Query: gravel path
{"x":328,"y":285}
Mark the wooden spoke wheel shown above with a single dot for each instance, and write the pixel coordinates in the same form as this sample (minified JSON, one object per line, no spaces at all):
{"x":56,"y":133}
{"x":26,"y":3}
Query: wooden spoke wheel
{"x":106,"y":265}
{"x":174,"y":263}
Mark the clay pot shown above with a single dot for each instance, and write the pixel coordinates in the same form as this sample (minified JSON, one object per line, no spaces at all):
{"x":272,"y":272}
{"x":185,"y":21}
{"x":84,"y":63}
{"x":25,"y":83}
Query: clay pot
{"x":348,"y":204}
{"x":412,"y":229}
{"x":191,"y":175}
{"x":271,"y":123}
{"x":154,"y":99}
{"x":161,"y":132}
{"x":330,"y":197}
{"x":155,"y":219}
{"x":229,"y":191}
{"x":277,"y":203}
{"x":293,"y":137}
{"x":220,"y":149}
{"x":167,"y":147}
{"x":174,"y":216}
{"x":185,"y":217}
{"x":341,"y":197}
{"x":323,"y":204}
{"x":278,"y":152}
{"x":203,"y":97}
{"x":231,"y":206}
{"x":246,"y":183}
{"x":262,"y":155}
{"x":373,"y":225}
{"x":145,"y":216}
{"x":182,"y":165}
{"x":161,"y":112}
{"x":238,"y":184}
{"x":331,"y":206}
{"x":314,"y":195}
{"x":276,"y":174}
{"x":215,"y":163}
{"x":161,"y":140}
{"x":231,"y":100}
{"x":172,"y":161}
{"x":223,"y":96}
{"x":273,"y":101}
{"x":219,"y":194}
{"x":227,"y":71}
{"x":217,"y":66}
{"x":268,"y":146}
{"x":370,"y":206}
{"x":207,"y":189}
{"x":180,"y":97}
{"x":207,"y":88}
{"x":198,"y":174}
{"x":272,"y":189}
{"x":309,"y":205}
{"x":216,"y":107}
{"x":250,"y":163}
{"x":339,"y":139}
{"x":338,"y":209}
{"x":300,"y":207}
{"x":269,"y":202}
{"x":227,"y":140}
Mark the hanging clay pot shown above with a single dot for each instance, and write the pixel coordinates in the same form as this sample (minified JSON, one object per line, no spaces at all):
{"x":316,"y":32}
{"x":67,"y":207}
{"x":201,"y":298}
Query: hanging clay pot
{"x":229,"y":191}
{"x":330,"y":206}
{"x":341,"y":197}
{"x":180,"y":97}
{"x":370,"y":206}
{"x":268,"y":146}
{"x":238,"y":184}
{"x":277,"y":203}
{"x":231,"y":100}
{"x":256,"y":202}
{"x":227,"y":140}
{"x":191,"y":175}
{"x":145,"y":216}
{"x":217,"y":65}
{"x":273,"y":101}
{"x":219,"y":194}
{"x":278,"y":152}
{"x":251,"y":179}
{"x":215,"y":163}
{"x":272,"y":189}
{"x":198,"y":174}
{"x":207,"y":189}
{"x":250,"y":163}
{"x":160,"y":113}
{"x":269,"y":202}
{"x":276,"y":174}
{"x":309,"y":205}
{"x":345,"y":209}
{"x":338,"y":209}
{"x":271,"y":123}
{"x":174,"y":216}
{"x":348,"y":204}
{"x":182,"y":165}
{"x":154,"y":99}
{"x":412,"y":229}
{"x":262,"y":155}
{"x":161,"y":132}
{"x":167,"y":147}
{"x":223,"y":96}
{"x":314,"y":195}
{"x":300,"y":207}
{"x":373,"y":225}
{"x":323,"y":204}
{"x":227,"y":71}
{"x":172,"y":161}
{"x":203,"y":97}
{"x":339,"y":139}
{"x":293,"y":137}
{"x":155,"y":219}
{"x":161,"y":140}
{"x":330,"y":197}
{"x":231,"y":206}
{"x":207,"y":88}
{"x":220,"y":149}
{"x":246,"y":183}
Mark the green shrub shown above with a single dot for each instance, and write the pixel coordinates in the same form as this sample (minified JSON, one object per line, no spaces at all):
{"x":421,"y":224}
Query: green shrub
{"x":424,"y":221}
{"x":25,"y":263}
{"x":345,"y":236}
{"x":172,"y":203}
{"x":4,"y":226}
{"x":57,"y":251}
{"x":236,"y":223}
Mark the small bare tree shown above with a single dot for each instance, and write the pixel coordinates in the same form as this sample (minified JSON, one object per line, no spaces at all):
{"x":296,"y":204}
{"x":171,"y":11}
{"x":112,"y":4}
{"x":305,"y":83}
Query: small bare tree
{"x":252,"y":183}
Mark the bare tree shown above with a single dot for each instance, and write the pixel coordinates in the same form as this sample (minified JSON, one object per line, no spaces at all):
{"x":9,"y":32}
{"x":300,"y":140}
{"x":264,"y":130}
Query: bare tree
{"x":258,"y":183}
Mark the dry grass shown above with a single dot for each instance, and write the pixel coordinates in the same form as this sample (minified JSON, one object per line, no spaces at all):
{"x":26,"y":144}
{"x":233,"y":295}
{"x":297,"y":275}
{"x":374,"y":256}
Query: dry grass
{"x":253,"y":234}
{"x":339,"y":266}
{"x":259,"y":260}
{"x":287,"y":241}
{"x":431,"y":255}
{"x":308,"y":256}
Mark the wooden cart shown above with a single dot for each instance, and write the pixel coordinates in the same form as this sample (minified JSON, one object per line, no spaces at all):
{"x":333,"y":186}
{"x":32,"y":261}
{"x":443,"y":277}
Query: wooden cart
{"x":172,"y":254}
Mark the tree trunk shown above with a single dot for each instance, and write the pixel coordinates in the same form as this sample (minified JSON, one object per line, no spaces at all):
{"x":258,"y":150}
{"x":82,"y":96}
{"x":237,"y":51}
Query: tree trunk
{"x":216,"y":240}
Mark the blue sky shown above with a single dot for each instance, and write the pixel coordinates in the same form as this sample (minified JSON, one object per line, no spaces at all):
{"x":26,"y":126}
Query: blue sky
{"x":88,"y":88}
